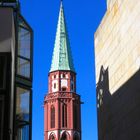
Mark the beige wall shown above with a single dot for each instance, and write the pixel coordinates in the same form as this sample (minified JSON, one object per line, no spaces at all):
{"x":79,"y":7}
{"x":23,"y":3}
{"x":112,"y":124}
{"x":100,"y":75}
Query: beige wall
{"x":117,"y":42}
{"x":110,"y":3}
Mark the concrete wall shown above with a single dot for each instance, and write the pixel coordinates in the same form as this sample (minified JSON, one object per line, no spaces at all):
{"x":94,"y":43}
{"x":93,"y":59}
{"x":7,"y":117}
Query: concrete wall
{"x":117,"y":56}
{"x":117,"y":42}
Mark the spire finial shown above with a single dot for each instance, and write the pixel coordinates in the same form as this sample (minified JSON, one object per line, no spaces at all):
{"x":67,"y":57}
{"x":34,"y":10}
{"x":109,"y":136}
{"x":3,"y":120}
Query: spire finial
{"x":61,"y":2}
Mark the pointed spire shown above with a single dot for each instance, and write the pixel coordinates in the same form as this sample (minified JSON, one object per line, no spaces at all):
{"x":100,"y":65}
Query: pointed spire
{"x":62,"y":58}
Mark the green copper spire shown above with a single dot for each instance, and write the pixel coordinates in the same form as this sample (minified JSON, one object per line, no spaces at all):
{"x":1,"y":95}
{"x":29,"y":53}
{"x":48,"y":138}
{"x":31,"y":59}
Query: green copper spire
{"x":62,"y":59}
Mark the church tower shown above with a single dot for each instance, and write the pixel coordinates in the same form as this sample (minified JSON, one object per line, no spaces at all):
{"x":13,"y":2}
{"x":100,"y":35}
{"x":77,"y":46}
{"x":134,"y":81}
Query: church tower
{"x":62,"y":109}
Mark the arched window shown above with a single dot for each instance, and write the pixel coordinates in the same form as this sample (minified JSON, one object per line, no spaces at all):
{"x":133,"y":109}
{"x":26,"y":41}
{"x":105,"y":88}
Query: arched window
{"x":75,"y":117}
{"x":64,"y":136}
{"x":52,"y":137}
{"x":76,"y":137}
{"x":64,"y":116}
{"x":52,"y":117}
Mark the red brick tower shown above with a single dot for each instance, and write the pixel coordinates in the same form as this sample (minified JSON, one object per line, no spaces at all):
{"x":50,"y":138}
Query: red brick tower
{"x":62,"y":109}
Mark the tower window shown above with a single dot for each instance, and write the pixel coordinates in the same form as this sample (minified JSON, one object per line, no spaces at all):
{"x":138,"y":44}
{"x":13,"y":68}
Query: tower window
{"x":64,"y":76}
{"x":75,"y":117}
{"x":63,"y":88}
{"x":54,"y":76}
{"x":72,"y":87}
{"x":72,"y":78}
{"x":52,"y":137}
{"x":76,"y":137}
{"x":52,"y":117}
{"x":54,"y":85}
{"x":64,"y":136}
{"x":64,"y":116}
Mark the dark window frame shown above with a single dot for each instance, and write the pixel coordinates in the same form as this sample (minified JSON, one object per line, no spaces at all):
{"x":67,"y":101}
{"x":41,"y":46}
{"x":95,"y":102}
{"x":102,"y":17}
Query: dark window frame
{"x":22,"y":57}
{"x":21,"y":81}
{"x":19,"y":17}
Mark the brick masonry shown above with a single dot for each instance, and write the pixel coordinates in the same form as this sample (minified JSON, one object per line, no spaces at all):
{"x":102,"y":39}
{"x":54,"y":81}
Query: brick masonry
{"x":61,"y":92}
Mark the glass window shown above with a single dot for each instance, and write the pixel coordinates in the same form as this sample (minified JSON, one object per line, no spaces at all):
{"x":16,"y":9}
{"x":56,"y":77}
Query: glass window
{"x":23,"y":67}
{"x":22,"y":22}
{"x":23,"y":133}
{"x":24,"y":43}
{"x":22,"y":114}
{"x":22,"y":104}
{"x":24,"y":49}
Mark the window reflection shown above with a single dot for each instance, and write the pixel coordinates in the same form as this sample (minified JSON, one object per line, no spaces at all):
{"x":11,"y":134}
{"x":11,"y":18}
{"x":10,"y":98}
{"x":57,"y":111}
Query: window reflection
{"x":24,"y":43}
{"x":23,"y":67}
{"x":23,"y":133}
{"x":22,"y":104}
{"x":24,"y":49}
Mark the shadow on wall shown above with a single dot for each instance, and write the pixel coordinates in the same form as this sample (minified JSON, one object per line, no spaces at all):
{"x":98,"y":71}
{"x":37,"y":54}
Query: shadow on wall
{"x":119,"y":113}
{"x":102,"y":87}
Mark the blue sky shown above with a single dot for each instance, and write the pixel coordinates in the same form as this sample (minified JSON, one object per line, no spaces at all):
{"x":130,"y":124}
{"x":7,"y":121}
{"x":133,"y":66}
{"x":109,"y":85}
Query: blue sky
{"x":83,"y":18}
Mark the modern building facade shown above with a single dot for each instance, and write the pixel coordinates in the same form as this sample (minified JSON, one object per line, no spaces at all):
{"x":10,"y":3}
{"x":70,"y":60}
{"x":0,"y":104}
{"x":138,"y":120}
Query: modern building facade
{"x":117,"y":56}
{"x":16,"y":57}
{"x":62,"y":109}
